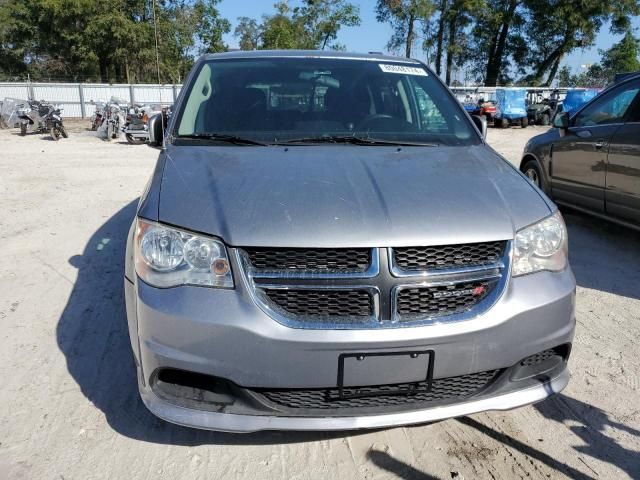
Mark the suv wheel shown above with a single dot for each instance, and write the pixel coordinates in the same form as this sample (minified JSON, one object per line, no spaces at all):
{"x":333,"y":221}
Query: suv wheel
{"x":532,"y":171}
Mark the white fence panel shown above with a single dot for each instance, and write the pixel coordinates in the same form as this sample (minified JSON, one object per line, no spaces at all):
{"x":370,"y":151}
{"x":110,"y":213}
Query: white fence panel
{"x":14,"y":90}
{"x":153,"y":94}
{"x":77,"y":98}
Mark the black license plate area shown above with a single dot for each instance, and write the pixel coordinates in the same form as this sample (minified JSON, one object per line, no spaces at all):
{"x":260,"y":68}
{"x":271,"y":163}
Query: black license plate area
{"x":386,"y":373}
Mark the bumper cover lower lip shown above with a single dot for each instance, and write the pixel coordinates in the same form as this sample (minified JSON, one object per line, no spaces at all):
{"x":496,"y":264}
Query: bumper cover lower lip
{"x":251,"y":423}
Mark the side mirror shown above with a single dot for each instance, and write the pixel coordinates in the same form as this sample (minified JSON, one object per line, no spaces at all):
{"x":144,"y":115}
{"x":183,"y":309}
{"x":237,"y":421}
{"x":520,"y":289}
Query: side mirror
{"x":480,"y":122}
{"x":561,"y":120}
{"x":156,"y":130}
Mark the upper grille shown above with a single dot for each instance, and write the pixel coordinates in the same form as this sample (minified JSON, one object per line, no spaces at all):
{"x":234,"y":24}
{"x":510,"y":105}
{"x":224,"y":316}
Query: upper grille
{"x":441,"y":300}
{"x":322,"y":303}
{"x":382,"y":396}
{"x":448,"y":256}
{"x":312,"y":260}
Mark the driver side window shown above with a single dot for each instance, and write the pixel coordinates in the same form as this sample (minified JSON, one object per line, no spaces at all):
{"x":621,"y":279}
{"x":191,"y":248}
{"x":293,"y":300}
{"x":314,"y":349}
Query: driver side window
{"x":609,"y":109}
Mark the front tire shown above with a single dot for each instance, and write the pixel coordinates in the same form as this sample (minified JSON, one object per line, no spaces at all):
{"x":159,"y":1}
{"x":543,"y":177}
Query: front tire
{"x":23,"y":129}
{"x":525,"y":122}
{"x":63,"y":131}
{"x":504,"y":123}
{"x":546,"y":119}
{"x":533,"y":172}
{"x":55,"y":133}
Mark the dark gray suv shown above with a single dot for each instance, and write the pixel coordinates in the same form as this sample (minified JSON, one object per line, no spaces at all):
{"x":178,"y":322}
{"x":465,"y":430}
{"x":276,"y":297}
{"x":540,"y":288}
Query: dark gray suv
{"x":591,"y":159}
{"x":327,"y":242}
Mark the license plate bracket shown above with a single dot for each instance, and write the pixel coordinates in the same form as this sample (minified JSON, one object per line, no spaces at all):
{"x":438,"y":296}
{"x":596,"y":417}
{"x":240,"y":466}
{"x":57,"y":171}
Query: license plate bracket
{"x":420,"y":374}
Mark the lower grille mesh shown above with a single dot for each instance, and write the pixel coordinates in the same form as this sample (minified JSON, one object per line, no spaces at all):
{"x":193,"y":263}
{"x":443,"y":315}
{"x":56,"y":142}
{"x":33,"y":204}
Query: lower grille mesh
{"x":441,"y":300}
{"x":322,"y":303}
{"x":327,"y":399}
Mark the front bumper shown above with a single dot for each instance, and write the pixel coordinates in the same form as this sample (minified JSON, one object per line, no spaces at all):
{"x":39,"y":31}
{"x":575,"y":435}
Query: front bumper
{"x":238,"y":423}
{"x":224,"y":334}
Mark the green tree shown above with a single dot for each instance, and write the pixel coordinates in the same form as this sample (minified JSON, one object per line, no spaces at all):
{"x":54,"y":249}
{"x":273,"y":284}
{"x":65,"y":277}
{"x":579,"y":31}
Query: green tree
{"x":404,"y":15}
{"x":623,"y":56}
{"x":557,"y":28}
{"x":324,"y":18}
{"x":248,"y":31}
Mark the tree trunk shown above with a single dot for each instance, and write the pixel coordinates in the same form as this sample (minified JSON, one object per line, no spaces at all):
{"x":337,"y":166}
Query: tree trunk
{"x":453,"y":26}
{"x":547,"y":64}
{"x":104,"y":70}
{"x":440,"y":36}
{"x":410,"y":35}
{"x":553,"y":72}
{"x":494,"y":67}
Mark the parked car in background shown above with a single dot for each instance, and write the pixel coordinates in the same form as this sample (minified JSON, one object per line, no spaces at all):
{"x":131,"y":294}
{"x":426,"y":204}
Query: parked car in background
{"x":591,"y":160}
{"x":327,"y":243}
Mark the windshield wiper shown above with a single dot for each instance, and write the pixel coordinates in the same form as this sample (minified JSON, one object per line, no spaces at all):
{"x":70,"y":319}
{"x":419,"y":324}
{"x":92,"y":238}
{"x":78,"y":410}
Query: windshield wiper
{"x":352,"y":139}
{"x":222,"y":137}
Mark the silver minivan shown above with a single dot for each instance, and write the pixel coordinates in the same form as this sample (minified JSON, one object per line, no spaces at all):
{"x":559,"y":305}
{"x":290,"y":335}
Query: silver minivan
{"x":327,"y":242}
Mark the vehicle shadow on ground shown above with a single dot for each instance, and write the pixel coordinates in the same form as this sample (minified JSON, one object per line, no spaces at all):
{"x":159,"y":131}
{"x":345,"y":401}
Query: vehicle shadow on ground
{"x":603,"y":255}
{"x":593,"y":426}
{"x":92,"y":334}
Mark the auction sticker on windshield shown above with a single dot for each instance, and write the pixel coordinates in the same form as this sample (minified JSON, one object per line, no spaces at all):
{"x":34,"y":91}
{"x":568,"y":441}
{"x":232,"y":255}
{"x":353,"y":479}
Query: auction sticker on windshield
{"x":403,"y":69}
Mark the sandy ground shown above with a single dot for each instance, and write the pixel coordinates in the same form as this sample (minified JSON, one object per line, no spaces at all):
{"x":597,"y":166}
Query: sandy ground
{"x":70,"y":408}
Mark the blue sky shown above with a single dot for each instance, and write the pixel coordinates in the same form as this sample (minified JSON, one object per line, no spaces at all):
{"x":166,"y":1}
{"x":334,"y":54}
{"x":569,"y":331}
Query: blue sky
{"x":373,"y":36}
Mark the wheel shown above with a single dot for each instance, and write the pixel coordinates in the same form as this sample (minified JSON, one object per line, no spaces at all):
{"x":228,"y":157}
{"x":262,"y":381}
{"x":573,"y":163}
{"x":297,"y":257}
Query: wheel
{"x":109,"y":131}
{"x":134,"y":140}
{"x":23,"y":129}
{"x":545,"y":120}
{"x":55,"y":133}
{"x":504,"y":123}
{"x":532,"y":171}
{"x":63,"y":131}
{"x":524,"y":123}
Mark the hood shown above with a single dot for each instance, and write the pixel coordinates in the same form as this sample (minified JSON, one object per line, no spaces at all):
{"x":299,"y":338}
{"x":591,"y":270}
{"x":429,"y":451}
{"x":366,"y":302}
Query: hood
{"x":346,"y":196}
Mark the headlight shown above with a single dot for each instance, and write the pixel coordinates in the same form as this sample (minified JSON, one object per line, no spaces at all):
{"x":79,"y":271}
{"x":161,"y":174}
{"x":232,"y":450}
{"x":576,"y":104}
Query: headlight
{"x":168,"y":257}
{"x":541,"y":246}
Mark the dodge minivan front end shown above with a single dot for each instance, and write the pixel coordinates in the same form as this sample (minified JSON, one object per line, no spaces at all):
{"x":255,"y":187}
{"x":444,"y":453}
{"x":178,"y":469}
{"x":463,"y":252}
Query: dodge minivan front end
{"x":303,"y":263}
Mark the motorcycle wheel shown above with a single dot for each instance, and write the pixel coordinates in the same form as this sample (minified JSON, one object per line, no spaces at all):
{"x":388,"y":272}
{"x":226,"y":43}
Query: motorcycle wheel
{"x":504,"y":123}
{"x":23,"y":129}
{"x":133,"y":140}
{"x":55,"y":133}
{"x":545,"y":119}
{"x":109,"y":132}
{"x":63,"y":131}
{"x":524,"y":123}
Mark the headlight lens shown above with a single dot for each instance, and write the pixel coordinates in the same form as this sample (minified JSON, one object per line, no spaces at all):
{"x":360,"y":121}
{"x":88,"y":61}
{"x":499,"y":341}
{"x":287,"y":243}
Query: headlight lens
{"x":541,"y":246}
{"x":168,"y":257}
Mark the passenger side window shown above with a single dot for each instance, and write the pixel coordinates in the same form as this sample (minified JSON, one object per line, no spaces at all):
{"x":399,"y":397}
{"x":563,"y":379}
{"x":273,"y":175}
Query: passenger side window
{"x":609,"y":109}
{"x":430,"y":116}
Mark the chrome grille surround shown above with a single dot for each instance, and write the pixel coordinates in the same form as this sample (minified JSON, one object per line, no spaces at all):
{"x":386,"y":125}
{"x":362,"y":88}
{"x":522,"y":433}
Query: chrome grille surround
{"x":384,"y":283}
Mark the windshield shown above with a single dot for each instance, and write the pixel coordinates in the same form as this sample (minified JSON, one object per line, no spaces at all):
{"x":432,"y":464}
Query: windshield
{"x":305,"y":100}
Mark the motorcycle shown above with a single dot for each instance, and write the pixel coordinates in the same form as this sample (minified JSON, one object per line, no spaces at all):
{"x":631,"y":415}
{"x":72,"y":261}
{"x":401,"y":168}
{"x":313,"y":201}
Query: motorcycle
{"x":112,"y":114}
{"x":98,"y":116}
{"x":53,"y":123}
{"x":135,"y":128}
{"x":31,"y":116}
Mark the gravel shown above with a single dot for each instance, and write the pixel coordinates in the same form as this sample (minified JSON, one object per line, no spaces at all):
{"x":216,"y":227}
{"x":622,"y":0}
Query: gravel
{"x":69,"y":400}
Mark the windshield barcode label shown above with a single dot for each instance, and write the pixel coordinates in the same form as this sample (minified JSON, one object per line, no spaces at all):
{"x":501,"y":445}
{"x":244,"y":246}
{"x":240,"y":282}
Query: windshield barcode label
{"x":403,"y":69}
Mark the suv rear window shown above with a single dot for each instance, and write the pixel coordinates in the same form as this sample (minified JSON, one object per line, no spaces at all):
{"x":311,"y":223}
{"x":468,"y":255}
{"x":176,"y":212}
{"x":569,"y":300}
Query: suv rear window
{"x":279,"y":99}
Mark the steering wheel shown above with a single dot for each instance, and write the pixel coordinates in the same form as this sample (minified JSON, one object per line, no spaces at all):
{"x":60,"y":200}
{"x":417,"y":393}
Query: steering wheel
{"x":370,"y":119}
